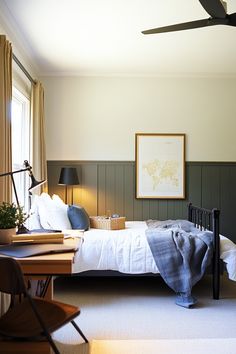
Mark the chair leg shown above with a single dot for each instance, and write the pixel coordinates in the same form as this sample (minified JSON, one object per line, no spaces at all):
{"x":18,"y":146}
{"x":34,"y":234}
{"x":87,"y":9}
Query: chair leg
{"x":44,"y":328}
{"x":51,"y":342}
{"x":79,"y":330}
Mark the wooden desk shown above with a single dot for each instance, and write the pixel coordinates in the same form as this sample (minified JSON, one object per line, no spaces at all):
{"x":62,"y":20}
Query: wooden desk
{"x":44,"y":267}
{"x":51,"y":264}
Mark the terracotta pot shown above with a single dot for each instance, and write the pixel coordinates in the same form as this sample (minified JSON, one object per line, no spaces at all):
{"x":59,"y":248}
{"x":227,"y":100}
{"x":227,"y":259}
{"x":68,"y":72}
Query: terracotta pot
{"x":6,"y":235}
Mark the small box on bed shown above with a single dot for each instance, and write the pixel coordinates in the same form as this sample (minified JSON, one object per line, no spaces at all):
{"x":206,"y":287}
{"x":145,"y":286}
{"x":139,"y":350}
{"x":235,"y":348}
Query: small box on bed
{"x":102,"y":222}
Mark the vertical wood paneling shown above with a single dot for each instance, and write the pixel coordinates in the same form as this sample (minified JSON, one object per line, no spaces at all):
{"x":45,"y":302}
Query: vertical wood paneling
{"x":138,"y":203}
{"x":101,"y":192}
{"x":146,"y":209}
{"x":111,"y":186}
{"x":77,"y":190}
{"x":175,"y":210}
{"x":194,"y":184}
{"x":138,"y":209}
{"x":153,"y":209}
{"x":180,"y":210}
{"x":227,"y":200}
{"x":210,"y":186}
{"x":119,"y":190}
{"x":110,"y":189}
{"x":129,"y":192}
{"x":89,"y":188}
{"x":163,"y":209}
{"x":170,"y":209}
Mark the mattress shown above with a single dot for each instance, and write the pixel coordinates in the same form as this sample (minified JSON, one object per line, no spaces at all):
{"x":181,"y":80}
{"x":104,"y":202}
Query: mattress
{"x":127,"y":251}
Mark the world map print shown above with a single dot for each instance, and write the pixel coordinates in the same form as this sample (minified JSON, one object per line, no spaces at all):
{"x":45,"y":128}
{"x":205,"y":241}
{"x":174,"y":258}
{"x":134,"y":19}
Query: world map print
{"x":162,"y":172}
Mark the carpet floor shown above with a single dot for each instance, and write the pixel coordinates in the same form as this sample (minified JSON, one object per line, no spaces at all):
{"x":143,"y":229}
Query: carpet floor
{"x":143,"y":309}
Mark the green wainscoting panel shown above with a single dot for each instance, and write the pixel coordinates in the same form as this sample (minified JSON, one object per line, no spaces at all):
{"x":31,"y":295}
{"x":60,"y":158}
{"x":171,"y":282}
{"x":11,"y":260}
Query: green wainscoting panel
{"x":109,"y":186}
{"x":194,"y":183}
{"x":129,"y":185}
{"x":228,"y":199}
{"x":211,"y":186}
{"x":101,"y":184}
{"x":88,"y":187}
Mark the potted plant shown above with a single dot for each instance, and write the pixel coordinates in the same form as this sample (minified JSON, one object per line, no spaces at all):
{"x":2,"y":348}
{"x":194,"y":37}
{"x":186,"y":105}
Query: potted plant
{"x":12,"y":217}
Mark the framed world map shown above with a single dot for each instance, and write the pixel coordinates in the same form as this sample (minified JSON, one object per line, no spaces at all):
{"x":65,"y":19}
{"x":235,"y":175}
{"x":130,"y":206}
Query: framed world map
{"x":160,"y":166}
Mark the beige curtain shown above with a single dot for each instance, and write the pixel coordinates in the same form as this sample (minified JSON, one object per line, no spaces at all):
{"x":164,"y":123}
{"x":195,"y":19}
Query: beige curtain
{"x":5,"y":117}
{"x":38,"y":148}
{"x":5,"y":132}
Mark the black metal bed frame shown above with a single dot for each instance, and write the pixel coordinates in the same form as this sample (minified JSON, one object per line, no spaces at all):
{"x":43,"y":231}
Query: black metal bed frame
{"x":207,"y":219}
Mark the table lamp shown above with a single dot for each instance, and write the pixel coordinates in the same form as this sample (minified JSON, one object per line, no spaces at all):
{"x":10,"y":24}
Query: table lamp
{"x":34,"y":184}
{"x":68,"y":177}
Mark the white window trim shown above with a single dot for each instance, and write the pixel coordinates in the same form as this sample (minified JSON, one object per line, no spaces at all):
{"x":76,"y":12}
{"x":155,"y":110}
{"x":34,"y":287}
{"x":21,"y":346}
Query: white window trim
{"x":23,"y":138}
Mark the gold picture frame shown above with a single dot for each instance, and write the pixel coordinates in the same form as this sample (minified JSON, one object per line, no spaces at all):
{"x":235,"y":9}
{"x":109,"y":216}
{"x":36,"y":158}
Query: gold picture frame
{"x":160,"y":166}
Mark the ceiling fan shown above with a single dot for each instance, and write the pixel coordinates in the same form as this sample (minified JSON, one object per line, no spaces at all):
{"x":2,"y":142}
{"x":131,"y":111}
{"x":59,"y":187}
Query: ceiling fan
{"x":218,"y":16}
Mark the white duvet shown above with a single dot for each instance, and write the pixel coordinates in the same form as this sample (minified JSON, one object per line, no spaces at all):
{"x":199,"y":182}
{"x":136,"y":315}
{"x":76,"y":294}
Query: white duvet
{"x":127,"y":251}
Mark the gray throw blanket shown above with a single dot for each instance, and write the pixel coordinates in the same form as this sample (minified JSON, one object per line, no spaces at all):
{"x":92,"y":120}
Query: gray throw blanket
{"x":182,"y":254}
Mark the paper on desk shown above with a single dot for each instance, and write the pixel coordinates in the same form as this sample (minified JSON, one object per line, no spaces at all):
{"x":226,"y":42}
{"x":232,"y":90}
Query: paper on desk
{"x":73,"y":233}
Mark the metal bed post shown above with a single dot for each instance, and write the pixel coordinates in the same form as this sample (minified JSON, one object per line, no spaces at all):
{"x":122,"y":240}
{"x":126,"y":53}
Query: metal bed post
{"x":190,"y":211}
{"x":211,"y":221}
{"x":216,"y":253}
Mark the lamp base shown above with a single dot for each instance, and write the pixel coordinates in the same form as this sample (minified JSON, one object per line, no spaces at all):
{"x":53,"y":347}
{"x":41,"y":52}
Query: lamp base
{"x":22,"y":230}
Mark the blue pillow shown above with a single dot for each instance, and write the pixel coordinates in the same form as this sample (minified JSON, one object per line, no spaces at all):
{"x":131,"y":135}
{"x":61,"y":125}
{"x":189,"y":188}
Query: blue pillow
{"x":78,"y":217}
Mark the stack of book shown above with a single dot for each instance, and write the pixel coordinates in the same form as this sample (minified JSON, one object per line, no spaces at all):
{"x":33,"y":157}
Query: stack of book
{"x":56,"y":237}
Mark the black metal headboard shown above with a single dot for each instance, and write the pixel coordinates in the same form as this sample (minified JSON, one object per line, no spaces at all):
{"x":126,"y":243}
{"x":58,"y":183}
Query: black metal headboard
{"x":207,"y":219}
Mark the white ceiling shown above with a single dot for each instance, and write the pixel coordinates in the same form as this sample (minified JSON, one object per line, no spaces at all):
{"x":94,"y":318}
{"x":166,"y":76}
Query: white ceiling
{"x":103,"y":37}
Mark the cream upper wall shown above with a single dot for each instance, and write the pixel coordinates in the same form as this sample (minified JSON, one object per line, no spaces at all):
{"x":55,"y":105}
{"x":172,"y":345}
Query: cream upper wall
{"x":96,"y":118}
{"x":20,"y":47}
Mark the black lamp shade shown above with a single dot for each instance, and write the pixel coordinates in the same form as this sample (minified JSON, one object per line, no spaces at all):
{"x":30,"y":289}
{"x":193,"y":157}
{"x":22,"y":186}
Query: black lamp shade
{"x":68,"y":176}
{"x":35,"y":183}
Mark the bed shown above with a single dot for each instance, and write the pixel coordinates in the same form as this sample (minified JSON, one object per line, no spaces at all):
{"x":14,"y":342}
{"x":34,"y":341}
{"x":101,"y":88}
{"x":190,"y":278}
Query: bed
{"x":127,"y":251}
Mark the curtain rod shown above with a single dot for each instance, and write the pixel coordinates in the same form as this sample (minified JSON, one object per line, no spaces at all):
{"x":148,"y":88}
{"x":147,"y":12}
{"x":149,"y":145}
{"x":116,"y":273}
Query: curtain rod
{"x":17,"y":61}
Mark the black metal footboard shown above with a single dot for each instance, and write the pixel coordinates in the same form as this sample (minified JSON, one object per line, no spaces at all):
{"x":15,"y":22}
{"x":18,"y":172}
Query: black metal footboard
{"x":207,"y":219}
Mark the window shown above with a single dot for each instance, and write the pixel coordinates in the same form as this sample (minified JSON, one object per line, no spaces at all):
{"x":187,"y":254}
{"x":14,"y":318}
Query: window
{"x":20,"y":144}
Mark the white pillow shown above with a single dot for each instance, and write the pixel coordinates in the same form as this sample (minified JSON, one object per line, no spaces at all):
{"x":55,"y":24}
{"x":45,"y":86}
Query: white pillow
{"x":33,"y":221}
{"x":53,"y":213}
{"x":57,"y":200}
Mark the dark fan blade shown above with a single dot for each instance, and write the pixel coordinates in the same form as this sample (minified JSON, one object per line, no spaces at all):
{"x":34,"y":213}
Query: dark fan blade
{"x":215,"y":8}
{"x":187,"y":25}
{"x":232,"y":19}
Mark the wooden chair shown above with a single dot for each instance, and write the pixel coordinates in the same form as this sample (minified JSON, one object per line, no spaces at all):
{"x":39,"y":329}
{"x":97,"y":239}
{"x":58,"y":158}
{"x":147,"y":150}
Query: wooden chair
{"x":31,"y":318}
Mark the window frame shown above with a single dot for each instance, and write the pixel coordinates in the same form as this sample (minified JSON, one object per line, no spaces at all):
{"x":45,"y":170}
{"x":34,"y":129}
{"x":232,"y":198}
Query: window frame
{"x":21,"y":139}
